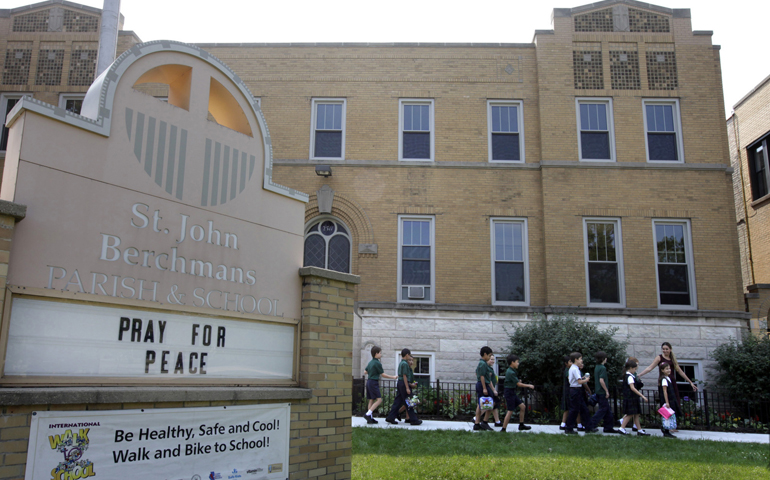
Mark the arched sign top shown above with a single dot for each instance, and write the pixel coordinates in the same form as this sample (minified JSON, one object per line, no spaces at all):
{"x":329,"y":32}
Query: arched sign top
{"x":199,"y":83}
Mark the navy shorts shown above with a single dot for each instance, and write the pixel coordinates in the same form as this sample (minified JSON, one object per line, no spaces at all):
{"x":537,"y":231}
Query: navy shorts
{"x":480,"y":392}
{"x":512,"y":400}
{"x":373,"y":389}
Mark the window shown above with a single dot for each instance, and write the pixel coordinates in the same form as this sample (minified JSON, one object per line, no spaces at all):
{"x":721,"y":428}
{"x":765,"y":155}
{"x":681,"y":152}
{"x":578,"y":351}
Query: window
{"x":674,"y":263}
{"x":71,"y":102}
{"x":416,"y":272}
{"x":422,"y":366}
{"x":510,"y":265}
{"x":595,"y":129}
{"x":663,"y":129}
{"x":7,"y":102}
{"x":327,"y":245}
{"x":415,"y":130}
{"x":604,"y":262}
{"x":759,"y":169}
{"x":505,"y":127}
{"x":327,"y":135}
{"x":693,"y":371}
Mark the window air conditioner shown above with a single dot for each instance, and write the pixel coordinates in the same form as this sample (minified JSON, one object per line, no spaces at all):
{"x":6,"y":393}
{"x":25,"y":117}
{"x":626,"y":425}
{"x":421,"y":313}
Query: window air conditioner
{"x":416,"y":293}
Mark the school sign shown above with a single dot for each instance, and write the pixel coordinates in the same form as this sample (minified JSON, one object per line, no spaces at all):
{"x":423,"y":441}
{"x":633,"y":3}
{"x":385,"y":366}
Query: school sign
{"x":156,"y":268}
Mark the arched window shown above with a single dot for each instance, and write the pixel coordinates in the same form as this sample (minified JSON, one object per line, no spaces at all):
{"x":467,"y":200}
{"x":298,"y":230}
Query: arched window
{"x":327,"y":245}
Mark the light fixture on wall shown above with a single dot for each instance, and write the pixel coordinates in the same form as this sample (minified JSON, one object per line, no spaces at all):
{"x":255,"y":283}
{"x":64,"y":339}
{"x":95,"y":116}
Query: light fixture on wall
{"x":323,"y":170}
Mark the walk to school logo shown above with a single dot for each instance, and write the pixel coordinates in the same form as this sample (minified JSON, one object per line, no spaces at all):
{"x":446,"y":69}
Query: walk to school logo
{"x":72,"y":446}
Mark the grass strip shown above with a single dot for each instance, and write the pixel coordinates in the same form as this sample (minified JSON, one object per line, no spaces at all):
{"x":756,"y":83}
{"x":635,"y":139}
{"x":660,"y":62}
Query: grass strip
{"x":381,"y":454}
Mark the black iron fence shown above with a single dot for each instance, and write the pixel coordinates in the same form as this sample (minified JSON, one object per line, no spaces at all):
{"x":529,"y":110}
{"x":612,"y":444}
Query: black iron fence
{"x":707,"y":409}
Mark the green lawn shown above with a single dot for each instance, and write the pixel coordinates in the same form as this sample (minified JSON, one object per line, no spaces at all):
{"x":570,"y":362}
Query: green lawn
{"x":413,"y":454}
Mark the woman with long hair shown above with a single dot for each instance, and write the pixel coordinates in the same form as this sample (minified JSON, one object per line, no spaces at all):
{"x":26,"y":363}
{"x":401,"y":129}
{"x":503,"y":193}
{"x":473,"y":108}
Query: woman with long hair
{"x":668,"y":358}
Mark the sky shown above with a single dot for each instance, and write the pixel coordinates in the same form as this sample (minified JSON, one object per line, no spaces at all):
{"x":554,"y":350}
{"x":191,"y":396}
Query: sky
{"x":737,"y":25}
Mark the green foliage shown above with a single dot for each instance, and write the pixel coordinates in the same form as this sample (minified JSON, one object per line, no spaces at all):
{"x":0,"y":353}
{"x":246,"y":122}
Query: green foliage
{"x":743,"y":368}
{"x":541,"y":344}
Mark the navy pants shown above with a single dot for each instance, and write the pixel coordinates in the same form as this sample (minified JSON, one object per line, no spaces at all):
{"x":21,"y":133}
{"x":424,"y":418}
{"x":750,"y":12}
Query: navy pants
{"x":399,"y":401}
{"x":577,"y":404}
{"x":604,"y":412}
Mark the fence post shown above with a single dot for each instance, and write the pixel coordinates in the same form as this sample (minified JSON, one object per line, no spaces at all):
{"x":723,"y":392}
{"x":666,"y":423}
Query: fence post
{"x":706,"y":408}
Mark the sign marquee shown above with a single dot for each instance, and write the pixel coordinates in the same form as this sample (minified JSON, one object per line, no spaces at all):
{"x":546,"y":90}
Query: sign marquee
{"x":141,"y":207}
{"x":129,"y":343}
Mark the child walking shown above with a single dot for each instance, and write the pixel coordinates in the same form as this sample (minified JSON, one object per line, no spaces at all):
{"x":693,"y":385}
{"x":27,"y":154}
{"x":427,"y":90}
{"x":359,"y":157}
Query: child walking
{"x":403,"y":390}
{"x":374,"y":371}
{"x":512,"y":401}
{"x":482,"y":389}
{"x":632,"y":406}
{"x":667,"y":398}
{"x":603,"y":394}
{"x":576,"y":398}
{"x":494,"y":381}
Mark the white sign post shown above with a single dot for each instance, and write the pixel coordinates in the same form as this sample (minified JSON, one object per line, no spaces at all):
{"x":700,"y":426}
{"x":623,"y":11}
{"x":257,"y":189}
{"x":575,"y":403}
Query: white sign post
{"x":248,"y":442}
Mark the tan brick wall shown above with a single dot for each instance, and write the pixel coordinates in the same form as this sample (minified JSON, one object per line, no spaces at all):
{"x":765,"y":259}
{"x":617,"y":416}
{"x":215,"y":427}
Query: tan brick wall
{"x":460,"y":80}
{"x":321,"y":436}
{"x":750,"y":122}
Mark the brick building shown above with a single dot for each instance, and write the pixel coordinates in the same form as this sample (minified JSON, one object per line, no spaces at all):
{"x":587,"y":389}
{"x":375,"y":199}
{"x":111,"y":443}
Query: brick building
{"x":473,"y":185}
{"x":748,"y":129}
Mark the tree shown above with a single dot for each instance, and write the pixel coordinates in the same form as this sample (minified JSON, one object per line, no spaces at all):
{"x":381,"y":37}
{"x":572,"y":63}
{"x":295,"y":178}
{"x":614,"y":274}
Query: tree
{"x":743,"y":368}
{"x":542,"y":343}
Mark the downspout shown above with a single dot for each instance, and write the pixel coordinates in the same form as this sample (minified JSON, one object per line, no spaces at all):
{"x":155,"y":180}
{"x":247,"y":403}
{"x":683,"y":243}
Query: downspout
{"x":108,"y":36}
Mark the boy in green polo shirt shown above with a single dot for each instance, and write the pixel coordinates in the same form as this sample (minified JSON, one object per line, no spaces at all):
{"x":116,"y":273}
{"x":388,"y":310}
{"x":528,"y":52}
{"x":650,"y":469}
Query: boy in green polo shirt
{"x":405,"y":379}
{"x":482,"y":387}
{"x":374,"y":371}
{"x":512,"y":401}
{"x":603,"y":394}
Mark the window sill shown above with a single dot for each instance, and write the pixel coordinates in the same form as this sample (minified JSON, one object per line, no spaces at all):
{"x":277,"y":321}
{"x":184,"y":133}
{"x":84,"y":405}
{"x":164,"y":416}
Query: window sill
{"x":760,"y":202}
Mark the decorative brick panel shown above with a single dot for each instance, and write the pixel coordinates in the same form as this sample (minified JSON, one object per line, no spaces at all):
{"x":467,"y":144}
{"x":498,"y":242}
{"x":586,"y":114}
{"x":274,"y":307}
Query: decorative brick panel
{"x":661,"y":67}
{"x":647,"y":22}
{"x":50,"y":60}
{"x":32,"y":22}
{"x":587,"y":64}
{"x":18,"y":57}
{"x":83,"y":63}
{"x":598,"y":21}
{"x":624,"y":67}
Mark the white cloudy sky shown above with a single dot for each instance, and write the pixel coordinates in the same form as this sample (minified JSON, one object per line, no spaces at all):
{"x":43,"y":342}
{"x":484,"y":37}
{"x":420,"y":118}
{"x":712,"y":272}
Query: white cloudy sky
{"x":738,"y":25}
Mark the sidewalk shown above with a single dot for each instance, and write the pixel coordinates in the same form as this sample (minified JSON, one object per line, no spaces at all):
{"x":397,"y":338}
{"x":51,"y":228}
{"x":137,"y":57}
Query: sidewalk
{"x":358,"y":421}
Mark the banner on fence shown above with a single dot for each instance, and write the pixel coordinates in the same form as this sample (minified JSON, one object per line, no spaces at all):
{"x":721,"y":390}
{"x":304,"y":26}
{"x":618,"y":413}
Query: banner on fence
{"x":249,"y":442}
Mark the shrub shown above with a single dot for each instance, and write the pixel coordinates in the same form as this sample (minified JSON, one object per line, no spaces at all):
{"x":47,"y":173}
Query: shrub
{"x":541,"y":344}
{"x":743,"y":368}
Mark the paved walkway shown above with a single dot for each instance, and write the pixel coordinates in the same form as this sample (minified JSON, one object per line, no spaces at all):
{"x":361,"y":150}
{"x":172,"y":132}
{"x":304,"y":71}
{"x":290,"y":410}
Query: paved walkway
{"x":358,"y":421}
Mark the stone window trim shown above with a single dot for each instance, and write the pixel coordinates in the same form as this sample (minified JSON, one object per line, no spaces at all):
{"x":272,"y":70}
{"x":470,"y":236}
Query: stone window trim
{"x":760,"y":202}
{"x":692,"y":289}
{"x":403,"y":102}
{"x":519,"y":104}
{"x":674,"y":102}
{"x":431,"y":356}
{"x":4,"y":110}
{"x":317,"y":221}
{"x":525,"y":258}
{"x":431,"y":297}
{"x":616,"y":222}
{"x":316,"y":102}
{"x":758,"y":162}
{"x":607,"y":101}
